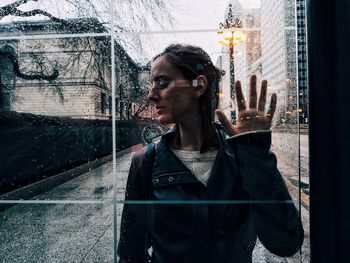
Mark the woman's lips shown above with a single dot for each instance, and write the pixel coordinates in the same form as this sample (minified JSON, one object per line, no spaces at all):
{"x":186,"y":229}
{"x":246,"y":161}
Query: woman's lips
{"x":158,"y":109}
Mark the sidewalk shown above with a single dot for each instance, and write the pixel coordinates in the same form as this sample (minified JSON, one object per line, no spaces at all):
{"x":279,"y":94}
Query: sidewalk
{"x":61,"y":227}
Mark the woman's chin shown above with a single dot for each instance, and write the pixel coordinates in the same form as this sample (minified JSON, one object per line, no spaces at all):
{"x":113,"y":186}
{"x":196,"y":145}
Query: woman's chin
{"x":164,"y":119}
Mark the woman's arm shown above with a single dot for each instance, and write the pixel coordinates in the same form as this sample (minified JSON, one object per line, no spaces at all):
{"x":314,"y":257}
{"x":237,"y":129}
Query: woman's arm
{"x":277,"y":221}
{"x":134,"y":240}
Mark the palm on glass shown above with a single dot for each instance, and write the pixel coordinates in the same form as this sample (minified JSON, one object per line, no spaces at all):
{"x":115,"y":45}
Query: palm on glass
{"x":254,"y":117}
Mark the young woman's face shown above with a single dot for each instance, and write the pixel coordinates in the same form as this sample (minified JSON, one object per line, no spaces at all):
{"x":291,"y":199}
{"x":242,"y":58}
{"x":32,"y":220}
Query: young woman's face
{"x":172,"y":94}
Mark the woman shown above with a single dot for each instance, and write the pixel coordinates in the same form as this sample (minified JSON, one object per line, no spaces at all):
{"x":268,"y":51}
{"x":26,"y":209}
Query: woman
{"x":229,"y":190}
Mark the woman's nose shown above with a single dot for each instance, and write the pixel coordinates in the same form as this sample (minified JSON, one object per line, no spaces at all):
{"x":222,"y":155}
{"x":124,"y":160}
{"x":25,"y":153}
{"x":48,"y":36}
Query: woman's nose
{"x":153,"y":94}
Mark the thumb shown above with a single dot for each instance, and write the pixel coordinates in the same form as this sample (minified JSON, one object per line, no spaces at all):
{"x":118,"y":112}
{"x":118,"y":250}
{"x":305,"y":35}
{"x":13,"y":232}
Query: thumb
{"x":226,"y":123}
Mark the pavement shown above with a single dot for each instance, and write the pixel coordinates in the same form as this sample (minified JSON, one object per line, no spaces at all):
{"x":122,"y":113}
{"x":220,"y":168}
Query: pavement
{"x":74,"y":222}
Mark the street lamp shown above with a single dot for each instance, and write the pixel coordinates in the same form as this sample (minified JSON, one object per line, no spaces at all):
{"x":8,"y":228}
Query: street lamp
{"x":230,"y":36}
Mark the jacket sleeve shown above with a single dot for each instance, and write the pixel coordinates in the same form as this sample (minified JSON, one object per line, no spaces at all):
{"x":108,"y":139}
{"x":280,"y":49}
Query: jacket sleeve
{"x":133,"y":245}
{"x":277,"y":221}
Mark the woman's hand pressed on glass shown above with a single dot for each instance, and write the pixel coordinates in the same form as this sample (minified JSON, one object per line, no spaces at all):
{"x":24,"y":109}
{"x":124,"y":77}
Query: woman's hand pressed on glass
{"x":254,"y":117}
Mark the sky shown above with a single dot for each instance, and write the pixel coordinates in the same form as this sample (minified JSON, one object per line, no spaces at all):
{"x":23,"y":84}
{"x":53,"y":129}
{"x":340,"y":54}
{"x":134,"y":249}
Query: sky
{"x":192,"y":18}
{"x":197,"y":22}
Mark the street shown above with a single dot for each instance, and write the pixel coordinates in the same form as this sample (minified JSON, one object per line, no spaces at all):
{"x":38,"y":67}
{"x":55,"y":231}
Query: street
{"x":74,"y":221}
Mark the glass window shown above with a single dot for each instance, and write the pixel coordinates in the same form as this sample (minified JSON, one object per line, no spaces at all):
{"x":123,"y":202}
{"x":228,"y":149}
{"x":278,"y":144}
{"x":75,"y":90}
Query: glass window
{"x":83,"y":91}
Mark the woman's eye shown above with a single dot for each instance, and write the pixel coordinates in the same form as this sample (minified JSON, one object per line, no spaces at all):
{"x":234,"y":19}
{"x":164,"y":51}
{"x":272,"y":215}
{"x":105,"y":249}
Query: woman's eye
{"x":160,"y":84}
{"x":163,"y":84}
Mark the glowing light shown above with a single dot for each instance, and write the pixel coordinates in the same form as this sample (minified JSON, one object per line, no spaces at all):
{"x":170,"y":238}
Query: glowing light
{"x":239,"y":36}
{"x":224,"y":42}
{"x":228,"y":35}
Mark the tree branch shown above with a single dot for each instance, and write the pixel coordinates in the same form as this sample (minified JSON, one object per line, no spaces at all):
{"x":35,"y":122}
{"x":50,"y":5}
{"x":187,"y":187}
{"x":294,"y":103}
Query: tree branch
{"x":142,"y":107}
{"x":12,"y":9}
{"x":17,"y":3}
{"x":8,"y":9}
{"x":19,"y":74}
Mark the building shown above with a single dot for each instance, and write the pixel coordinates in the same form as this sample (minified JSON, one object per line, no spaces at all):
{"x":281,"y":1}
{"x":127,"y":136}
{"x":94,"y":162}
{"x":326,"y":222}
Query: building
{"x":278,"y":46}
{"x":273,"y":50}
{"x":247,"y":59}
{"x":302,"y":62}
{"x":82,"y":87}
{"x":284,"y":57}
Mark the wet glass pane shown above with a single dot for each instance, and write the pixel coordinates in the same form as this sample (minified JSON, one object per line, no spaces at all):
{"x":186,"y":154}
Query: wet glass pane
{"x":56,"y":110}
{"x":57,"y":233}
{"x":53,"y":17}
{"x":56,"y":115}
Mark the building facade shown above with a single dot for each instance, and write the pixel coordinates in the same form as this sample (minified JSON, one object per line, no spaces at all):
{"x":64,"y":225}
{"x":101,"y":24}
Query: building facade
{"x":302,"y":62}
{"x":284,"y":57}
{"x":275,"y":49}
{"x":82,"y":87}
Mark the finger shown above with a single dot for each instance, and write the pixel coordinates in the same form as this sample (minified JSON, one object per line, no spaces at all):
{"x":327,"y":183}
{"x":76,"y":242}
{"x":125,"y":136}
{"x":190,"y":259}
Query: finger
{"x":262,"y":98}
{"x":252,"y":92}
{"x":239,"y":96}
{"x":273,"y":104}
{"x":226,"y":123}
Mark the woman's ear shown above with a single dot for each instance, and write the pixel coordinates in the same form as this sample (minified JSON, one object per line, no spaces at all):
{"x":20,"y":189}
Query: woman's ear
{"x":201,"y":87}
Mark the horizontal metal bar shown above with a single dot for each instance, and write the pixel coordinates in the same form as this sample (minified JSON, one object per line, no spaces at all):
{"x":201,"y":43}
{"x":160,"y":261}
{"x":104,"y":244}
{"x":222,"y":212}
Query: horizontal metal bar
{"x":185,"y":31}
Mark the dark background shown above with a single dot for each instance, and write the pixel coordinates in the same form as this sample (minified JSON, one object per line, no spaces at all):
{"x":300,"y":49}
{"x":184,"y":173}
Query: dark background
{"x":329,"y":69}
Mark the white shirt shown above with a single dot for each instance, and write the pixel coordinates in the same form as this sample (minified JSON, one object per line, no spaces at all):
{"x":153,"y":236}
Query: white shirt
{"x":199,"y":164}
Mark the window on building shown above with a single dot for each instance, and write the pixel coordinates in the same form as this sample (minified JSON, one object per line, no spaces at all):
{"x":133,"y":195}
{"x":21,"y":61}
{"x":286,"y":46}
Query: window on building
{"x":110,"y":105}
{"x":103,"y":103}
{"x":121,"y":109}
{"x":7,"y":75}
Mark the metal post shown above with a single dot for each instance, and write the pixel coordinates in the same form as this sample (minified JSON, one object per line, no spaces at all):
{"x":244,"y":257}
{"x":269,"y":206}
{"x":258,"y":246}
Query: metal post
{"x":231,"y":23}
{"x":232,"y":71}
{"x":232,"y":81}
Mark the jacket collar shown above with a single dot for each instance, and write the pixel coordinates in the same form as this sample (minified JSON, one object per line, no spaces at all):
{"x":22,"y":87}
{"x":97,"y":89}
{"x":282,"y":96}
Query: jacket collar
{"x":224,"y":145}
{"x":173,"y":164}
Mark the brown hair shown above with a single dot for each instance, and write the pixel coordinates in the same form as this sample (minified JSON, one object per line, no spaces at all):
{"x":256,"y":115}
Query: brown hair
{"x":193,"y":61}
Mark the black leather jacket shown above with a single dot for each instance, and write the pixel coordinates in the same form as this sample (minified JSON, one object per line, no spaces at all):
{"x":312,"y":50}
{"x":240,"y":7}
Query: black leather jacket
{"x":245,"y":197}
